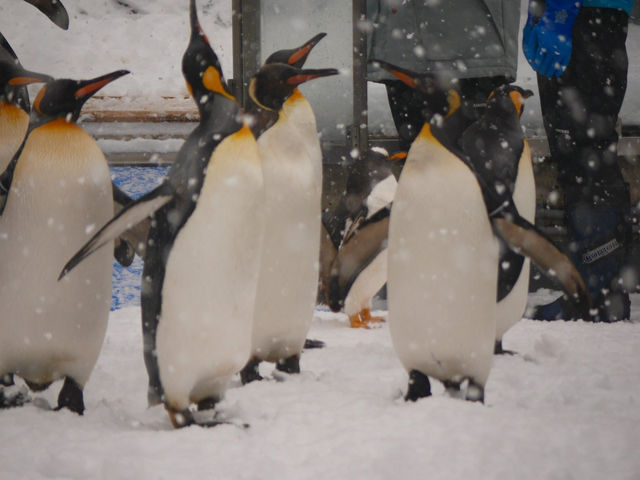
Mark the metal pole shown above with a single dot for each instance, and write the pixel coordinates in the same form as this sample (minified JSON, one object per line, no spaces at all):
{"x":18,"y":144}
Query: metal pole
{"x":359,"y":129}
{"x":246,"y":46}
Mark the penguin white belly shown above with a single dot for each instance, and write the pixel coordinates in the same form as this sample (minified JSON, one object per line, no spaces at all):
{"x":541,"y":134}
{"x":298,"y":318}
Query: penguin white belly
{"x":442,"y":274}
{"x":13,"y":127}
{"x":512,"y":307}
{"x":60,"y":193}
{"x":288,"y":281}
{"x":208,"y":295}
{"x":368,"y":283}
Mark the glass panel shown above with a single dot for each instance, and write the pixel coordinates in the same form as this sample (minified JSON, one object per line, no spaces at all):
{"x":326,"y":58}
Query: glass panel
{"x":288,"y":24}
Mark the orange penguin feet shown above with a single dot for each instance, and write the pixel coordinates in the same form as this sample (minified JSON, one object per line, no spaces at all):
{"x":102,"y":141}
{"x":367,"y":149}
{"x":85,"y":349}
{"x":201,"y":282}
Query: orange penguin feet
{"x":363,"y":319}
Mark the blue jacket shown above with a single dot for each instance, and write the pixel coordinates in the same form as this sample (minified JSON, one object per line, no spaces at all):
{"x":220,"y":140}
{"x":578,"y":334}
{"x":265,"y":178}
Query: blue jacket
{"x":626,"y":5}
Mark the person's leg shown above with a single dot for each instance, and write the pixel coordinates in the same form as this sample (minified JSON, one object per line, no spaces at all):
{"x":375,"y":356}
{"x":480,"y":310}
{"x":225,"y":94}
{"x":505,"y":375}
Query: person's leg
{"x":580,"y":111}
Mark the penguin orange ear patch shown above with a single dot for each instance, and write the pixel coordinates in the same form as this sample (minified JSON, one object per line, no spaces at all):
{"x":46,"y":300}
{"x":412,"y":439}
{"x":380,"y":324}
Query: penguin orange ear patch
{"x":38,"y":100}
{"x":212,"y":81}
{"x":455,"y":102}
{"x":21,"y":81}
{"x":518,"y":100}
{"x":406,"y":79}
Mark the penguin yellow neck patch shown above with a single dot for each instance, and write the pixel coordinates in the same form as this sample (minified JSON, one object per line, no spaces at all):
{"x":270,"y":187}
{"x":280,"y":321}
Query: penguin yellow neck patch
{"x":212,"y":81}
{"x":296,"y":96}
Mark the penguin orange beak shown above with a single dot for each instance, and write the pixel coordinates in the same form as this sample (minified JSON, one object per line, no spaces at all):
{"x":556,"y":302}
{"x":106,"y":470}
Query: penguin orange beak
{"x":300,"y":55}
{"x":89,"y":87}
{"x":306,"y":75}
{"x":406,"y":77}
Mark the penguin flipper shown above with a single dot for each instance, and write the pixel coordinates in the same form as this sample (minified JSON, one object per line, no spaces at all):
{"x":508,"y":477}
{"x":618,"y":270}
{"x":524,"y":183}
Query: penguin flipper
{"x":137,"y":235}
{"x":54,"y":10}
{"x":123,"y":221}
{"x":328,"y":252}
{"x":354,"y":256}
{"x":509,"y":268}
{"x":525,"y":239}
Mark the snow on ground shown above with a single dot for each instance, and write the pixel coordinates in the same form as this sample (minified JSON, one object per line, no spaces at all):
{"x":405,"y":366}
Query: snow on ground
{"x":566,"y":407}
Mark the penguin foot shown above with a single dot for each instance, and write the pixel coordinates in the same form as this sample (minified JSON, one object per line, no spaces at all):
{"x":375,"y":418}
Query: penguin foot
{"x":363,"y":319}
{"x":452,"y":388}
{"x":419,"y":386}
{"x":13,"y":396}
{"x":250,"y":372}
{"x":311,"y":343}
{"x":37,"y":387}
{"x":498,"y":350}
{"x":185,"y":418}
{"x":123,"y":252}
{"x":180,"y":418}
{"x":208,"y":403}
{"x":289,"y":365}
{"x":71,"y":397}
{"x":475,"y":392}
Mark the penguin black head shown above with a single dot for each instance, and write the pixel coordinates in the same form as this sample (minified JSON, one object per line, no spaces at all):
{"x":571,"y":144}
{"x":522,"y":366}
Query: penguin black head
{"x":13,"y":77}
{"x":443,"y":99}
{"x":54,"y":10}
{"x":200,"y":65}
{"x":295,"y":56}
{"x":276,"y":82}
{"x":65,"y":98}
{"x":510,"y":94}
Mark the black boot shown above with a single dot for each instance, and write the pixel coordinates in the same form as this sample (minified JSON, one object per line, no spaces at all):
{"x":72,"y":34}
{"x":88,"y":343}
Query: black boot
{"x":600,"y":237}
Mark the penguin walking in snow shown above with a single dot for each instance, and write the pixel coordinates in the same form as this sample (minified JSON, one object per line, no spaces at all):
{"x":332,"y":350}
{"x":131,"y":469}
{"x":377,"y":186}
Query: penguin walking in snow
{"x":203,"y":249}
{"x":60,"y":190}
{"x":292,"y":168}
{"x":449,"y":209}
{"x":359,"y":227}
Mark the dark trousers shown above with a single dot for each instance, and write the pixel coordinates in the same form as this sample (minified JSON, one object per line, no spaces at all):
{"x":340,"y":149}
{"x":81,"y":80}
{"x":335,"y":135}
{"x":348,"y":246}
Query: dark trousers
{"x":580,"y":110}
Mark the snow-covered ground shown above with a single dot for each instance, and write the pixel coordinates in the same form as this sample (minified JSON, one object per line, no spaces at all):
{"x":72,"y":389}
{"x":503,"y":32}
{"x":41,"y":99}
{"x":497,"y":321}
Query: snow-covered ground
{"x":566,"y":407}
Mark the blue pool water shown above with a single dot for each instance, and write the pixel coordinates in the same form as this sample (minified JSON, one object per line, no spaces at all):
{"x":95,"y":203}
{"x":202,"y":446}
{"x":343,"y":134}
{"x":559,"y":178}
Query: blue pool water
{"x":135,"y":181}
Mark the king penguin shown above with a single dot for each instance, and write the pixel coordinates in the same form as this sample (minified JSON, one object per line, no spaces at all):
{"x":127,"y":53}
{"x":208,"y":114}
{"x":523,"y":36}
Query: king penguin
{"x":203,"y":249}
{"x":14,"y":104}
{"x":292,"y":167}
{"x":14,"y":98}
{"x":61,"y":189}
{"x":263,"y":119}
{"x":449,"y":210}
